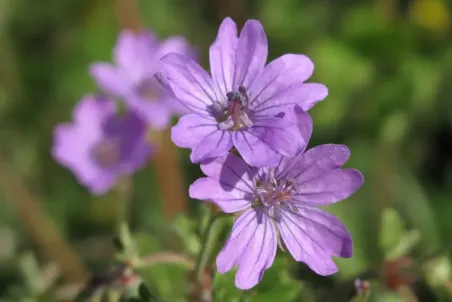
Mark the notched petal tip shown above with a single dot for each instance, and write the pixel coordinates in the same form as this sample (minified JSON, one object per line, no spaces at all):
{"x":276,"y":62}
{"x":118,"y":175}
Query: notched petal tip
{"x":356,"y":178}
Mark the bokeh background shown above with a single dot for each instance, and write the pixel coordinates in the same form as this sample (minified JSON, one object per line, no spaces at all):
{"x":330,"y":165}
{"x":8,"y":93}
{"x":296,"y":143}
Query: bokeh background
{"x":388,"y":67}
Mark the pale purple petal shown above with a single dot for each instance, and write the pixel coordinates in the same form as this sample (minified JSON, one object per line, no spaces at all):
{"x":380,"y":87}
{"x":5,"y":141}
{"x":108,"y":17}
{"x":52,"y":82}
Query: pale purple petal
{"x":261,"y":144}
{"x":279,"y":84}
{"x":252,"y":50}
{"x":135,"y":151}
{"x":110,"y":79}
{"x":329,"y":188}
{"x":310,"y":94}
{"x":312,"y":236}
{"x":201,"y":134}
{"x":304,"y":122}
{"x":90,"y":112}
{"x":157,"y":112}
{"x":228,"y":198}
{"x":190,"y":83}
{"x":230,"y":171}
{"x":96,"y":126}
{"x":217,"y":143}
{"x":222,"y":56}
{"x":319,"y":161}
{"x":191,"y":129}
{"x":252,"y":246}
{"x":134,"y":54}
{"x":71,"y":148}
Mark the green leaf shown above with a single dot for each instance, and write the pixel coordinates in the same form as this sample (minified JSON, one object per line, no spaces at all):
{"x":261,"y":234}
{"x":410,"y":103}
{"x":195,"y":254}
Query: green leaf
{"x":186,"y":231}
{"x":405,"y":245}
{"x":169,"y":280}
{"x":276,"y":285}
{"x":391,"y":230}
{"x":224,"y":288}
{"x":119,"y":247}
{"x":438,"y":271}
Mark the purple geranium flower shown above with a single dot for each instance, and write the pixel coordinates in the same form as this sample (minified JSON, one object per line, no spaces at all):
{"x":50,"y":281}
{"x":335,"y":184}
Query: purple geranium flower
{"x":99,"y":145}
{"x":281,"y":203}
{"x":237,"y":106}
{"x":133,"y":77}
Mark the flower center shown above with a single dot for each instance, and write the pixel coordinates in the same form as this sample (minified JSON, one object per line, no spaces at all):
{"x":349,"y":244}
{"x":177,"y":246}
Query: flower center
{"x":106,"y":153}
{"x":149,"y":90}
{"x":235,"y":114}
{"x":273,"y":193}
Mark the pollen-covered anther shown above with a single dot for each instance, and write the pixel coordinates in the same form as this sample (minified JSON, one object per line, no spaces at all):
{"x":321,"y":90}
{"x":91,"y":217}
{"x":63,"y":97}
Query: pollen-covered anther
{"x":235,"y":114}
{"x":275,"y":193}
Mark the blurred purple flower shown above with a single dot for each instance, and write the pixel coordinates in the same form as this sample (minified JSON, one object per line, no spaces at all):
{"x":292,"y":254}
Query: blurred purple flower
{"x":238,"y":104}
{"x":281,"y":203}
{"x":133,"y":77}
{"x":100,"y":145}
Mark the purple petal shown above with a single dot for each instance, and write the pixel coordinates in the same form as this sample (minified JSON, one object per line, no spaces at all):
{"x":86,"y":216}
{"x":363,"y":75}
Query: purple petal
{"x":329,"y":188}
{"x":190,"y":83}
{"x":319,"y":161}
{"x":71,"y":148}
{"x":252,"y":50}
{"x":91,"y":112}
{"x":280,"y":82}
{"x":191,"y":129}
{"x":312,"y":236}
{"x":251,"y":245}
{"x":214,"y":144}
{"x":310,"y":94}
{"x":261,"y":144}
{"x":134,"y":53}
{"x":110,"y":79}
{"x":156,"y":112}
{"x":222,"y":56}
{"x":175,"y":44}
{"x":230,"y":171}
{"x":229,"y":198}
{"x":135,"y":150}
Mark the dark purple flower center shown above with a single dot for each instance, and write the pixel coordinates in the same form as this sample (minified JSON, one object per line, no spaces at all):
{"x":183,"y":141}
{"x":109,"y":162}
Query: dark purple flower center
{"x":106,"y":153}
{"x":275,"y":193}
{"x":235,"y":114}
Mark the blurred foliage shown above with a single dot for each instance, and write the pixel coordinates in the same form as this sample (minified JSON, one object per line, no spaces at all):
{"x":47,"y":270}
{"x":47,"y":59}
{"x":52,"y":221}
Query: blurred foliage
{"x":388,"y":67}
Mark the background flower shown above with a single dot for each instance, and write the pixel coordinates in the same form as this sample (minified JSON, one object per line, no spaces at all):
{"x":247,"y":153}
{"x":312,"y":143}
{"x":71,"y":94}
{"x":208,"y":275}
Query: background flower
{"x":100,"y":145}
{"x":133,"y":75}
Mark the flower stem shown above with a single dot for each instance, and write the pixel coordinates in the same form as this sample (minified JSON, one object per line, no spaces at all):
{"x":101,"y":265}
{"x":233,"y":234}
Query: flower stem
{"x":207,"y":246}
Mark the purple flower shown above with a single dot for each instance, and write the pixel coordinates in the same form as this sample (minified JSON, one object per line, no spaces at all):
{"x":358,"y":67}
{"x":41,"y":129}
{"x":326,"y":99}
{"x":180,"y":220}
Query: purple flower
{"x":237,"y":105}
{"x":278,"y":206}
{"x":99,"y":145}
{"x":133,"y":77}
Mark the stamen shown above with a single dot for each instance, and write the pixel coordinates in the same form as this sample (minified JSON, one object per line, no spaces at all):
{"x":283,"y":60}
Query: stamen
{"x":274,"y":194}
{"x":236,"y":113}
